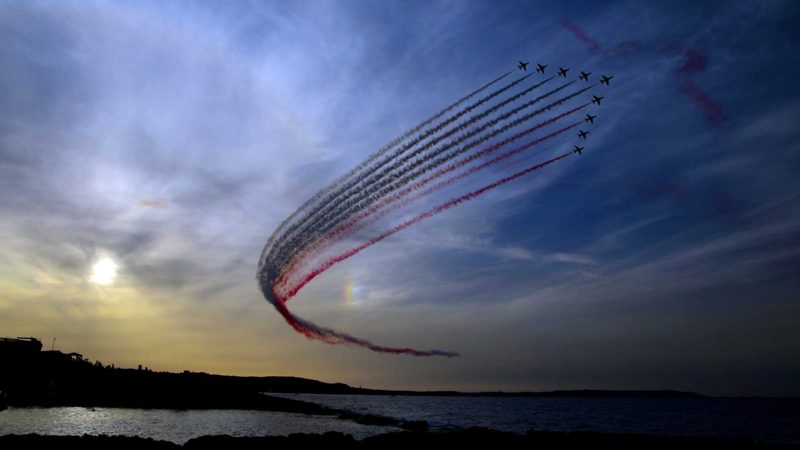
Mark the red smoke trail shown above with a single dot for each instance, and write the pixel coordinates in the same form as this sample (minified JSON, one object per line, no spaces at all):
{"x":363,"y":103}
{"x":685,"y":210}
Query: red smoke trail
{"x":591,"y":44}
{"x":387,"y":206}
{"x":400,"y":227}
{"x":712,"y":110}
{"x":696,"y":62}
{"x":403,"y":155}
{"x":491,"y":162}
{"x":330,"y":336}
{"x":302,"y":247}
{"x":362,"y":198}
{"x":524,"y":160}
{"x":279,"y":232}
{"x":358,"y":173}
{"x":349,"y":225}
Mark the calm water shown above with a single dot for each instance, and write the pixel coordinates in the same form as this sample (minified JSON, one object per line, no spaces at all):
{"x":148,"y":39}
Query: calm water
{"x":768,"y":420}
{"x":172,"y":425}
{"x":763,"y":419}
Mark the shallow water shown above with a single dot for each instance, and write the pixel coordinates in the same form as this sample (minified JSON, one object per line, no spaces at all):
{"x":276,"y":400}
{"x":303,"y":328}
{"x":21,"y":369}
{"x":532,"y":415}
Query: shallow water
{"x":172,"y":425}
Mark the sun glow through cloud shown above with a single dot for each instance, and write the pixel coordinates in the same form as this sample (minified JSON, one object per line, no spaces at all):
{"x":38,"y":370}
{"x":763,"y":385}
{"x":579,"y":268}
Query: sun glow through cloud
{"x":104,"y":271}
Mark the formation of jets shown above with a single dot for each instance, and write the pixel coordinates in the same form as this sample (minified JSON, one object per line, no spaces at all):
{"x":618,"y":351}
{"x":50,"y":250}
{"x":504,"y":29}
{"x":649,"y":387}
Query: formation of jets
{"x":562,"y":72}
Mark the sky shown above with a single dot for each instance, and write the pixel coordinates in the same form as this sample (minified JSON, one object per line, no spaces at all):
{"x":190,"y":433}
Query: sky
{"x":148,"y":150}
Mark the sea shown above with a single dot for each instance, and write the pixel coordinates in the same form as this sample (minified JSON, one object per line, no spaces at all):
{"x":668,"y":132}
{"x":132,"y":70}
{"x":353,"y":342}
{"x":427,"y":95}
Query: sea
{"x":771,"y":420}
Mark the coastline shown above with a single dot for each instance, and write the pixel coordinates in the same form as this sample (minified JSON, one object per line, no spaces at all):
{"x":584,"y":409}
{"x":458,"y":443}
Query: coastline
{"x":46,"y":379}
{"x":234,"y":401}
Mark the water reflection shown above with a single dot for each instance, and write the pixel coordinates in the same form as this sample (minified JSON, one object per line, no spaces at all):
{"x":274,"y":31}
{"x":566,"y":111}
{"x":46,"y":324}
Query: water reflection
{"x":171,"y":425}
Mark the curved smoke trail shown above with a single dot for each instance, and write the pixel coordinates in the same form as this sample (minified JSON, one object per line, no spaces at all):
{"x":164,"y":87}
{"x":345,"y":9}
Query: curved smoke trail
{"x":388,"y":205}
{"x":361,"y":198}
{"x":364,"y":169}
{"x":333,"y":209}
{"x":316,"y":197}
{"x":381,"y":208}
{"x":394,"y":177}
{"x":426,"y":215}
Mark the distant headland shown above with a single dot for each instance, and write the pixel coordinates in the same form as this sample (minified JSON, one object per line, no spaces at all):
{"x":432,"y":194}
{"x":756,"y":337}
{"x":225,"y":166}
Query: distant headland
{"x":53,"y":378}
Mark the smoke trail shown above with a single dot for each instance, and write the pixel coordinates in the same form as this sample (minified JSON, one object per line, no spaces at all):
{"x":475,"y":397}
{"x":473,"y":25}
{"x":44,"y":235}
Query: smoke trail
{"x":426,"y":215}
{"x":324,"y":214}
{"x":346,"y":184}
{"x":315,"y":198}
{"x":384,"y":207}
{"x":331,"y":336}
{"x":348,"y":226}
{"x":305,"y":248}
{"x":696,"y":62}
{"x":591,"y":44}
{"x":460,"y":127}
{"x":423,"y":160}
{"x":362,"y":198}
{"x":321,"y":211}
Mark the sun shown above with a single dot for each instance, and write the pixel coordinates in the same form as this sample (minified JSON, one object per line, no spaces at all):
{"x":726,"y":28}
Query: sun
{"x":104,"y":271}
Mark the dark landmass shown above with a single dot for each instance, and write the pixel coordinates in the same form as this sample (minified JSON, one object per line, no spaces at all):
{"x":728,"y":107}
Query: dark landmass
{"x":584,"y":393}
{"x":471,"y":438}
{"x":32,"y":377}
{"x":52,"y":378}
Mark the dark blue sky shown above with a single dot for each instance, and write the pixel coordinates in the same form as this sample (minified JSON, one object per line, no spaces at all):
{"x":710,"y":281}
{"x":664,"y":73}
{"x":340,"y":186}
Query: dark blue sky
{"x":173,"y":138}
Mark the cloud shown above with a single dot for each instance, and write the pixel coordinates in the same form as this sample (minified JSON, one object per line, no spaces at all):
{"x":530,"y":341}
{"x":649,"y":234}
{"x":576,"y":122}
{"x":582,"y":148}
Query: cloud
{"x":776,"y":123}
{"x":573,"y":258}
